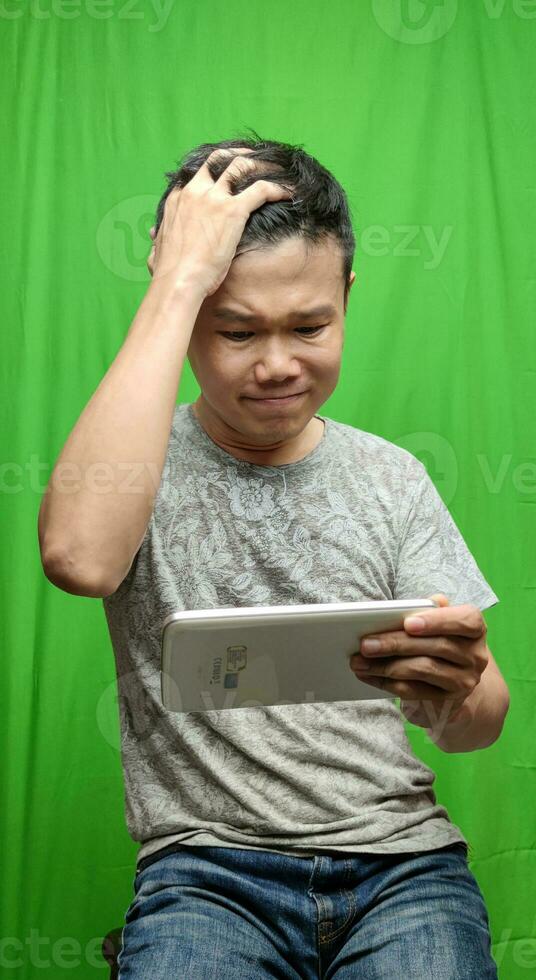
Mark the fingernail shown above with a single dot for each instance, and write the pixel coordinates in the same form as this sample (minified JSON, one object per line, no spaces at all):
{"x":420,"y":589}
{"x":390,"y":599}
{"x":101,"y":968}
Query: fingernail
{"x":370,"y":646}
{"x":415,"y":623}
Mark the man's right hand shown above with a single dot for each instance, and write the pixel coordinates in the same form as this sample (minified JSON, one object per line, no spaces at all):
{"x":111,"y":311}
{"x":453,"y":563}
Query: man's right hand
{"x":203,"y":223}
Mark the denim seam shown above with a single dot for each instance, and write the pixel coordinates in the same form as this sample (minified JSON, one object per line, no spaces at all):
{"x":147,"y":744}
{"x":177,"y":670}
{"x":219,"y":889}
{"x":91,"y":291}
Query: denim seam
{"x":353,"y":907}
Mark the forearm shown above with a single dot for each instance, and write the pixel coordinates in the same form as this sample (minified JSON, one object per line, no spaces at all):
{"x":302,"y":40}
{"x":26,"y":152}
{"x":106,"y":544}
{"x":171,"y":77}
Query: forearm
{"x":480,"y":720}
{"x":101,"y":491}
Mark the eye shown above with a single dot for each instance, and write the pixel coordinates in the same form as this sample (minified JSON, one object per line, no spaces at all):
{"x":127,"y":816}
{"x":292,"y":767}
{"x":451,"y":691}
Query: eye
{"x":241,"y":335}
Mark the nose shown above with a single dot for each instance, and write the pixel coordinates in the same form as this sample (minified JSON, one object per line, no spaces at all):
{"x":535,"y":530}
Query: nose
{"x":276,"y":363}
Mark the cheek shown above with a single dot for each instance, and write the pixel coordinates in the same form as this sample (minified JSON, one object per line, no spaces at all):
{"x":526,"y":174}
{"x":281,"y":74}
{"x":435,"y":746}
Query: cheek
{"x":220,"y":370}
{"x":326,"y":359}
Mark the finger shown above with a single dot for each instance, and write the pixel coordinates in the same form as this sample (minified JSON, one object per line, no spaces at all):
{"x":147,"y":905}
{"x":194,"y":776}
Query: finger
{"x":441,"y":598}
{"x":397,"y":643}
{"x":264,"y":190}
{"x":239,"y":166}
{"x":203,"y":179}
{"x":464,"y":620}
{"x":406,"y":689}
{"x":416,"y":669}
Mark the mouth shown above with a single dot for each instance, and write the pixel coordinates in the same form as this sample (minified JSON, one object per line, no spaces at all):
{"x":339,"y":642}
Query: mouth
{"x":286,"y":400}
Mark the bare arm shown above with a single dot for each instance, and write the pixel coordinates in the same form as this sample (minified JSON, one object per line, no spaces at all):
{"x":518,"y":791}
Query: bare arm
{"x":101,"y":492}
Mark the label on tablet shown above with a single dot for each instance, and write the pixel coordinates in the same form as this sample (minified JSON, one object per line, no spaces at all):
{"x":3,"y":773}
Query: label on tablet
{"x":236,"y":658}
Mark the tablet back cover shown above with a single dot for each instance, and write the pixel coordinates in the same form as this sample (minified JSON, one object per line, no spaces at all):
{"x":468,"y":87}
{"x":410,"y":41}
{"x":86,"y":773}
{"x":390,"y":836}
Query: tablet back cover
{"x":215,"y":660}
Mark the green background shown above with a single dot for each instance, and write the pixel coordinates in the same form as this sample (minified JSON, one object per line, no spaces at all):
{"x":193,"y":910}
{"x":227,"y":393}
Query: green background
{"x":425,"y":114}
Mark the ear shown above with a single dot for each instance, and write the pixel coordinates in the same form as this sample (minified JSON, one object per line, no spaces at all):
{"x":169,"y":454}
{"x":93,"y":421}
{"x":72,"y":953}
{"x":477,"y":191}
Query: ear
{"x":150,"y":257}
{"x":352,"y":280}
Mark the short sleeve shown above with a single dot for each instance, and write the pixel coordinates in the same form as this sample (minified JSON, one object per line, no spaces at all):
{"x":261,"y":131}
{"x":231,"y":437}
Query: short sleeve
{"x":432,"y":554}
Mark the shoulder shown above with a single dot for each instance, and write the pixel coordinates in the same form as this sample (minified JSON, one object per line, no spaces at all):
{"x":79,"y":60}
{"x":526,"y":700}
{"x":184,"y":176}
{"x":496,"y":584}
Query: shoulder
{"x":377,"y":449}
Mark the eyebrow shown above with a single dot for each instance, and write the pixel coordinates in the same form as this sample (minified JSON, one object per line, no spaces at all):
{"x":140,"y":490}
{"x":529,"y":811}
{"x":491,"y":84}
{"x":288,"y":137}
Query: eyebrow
{"x":226,"y":313}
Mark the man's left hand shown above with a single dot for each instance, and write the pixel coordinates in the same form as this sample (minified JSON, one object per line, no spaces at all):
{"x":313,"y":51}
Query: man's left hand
{"x":442,"y":662}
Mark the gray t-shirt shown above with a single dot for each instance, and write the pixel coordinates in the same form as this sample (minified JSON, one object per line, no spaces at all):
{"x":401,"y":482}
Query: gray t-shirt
{"x":358,"y":518}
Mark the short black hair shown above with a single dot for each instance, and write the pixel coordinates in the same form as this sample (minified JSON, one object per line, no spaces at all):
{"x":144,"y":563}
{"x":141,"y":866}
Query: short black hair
{"x":319,"y":208}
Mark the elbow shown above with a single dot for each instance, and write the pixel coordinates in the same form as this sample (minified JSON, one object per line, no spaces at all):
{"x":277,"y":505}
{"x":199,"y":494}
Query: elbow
{"x":504,"y":711}
{"x":501,"y":717}
{"x":61,"y":572}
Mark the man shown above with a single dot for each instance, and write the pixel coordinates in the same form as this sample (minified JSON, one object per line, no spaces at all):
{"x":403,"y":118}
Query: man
{"x":296,"y":839}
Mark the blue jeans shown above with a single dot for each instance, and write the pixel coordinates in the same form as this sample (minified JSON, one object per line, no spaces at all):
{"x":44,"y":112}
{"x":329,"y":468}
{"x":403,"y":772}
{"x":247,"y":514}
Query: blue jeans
{"x":219,"y":913}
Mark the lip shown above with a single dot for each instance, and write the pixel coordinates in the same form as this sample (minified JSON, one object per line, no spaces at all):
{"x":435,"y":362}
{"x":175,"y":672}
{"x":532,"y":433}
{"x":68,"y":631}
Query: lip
{"x":288,"y":400}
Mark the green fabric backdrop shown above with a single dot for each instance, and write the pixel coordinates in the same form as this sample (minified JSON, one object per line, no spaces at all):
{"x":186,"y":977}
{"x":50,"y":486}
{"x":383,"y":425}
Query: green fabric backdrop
{"x":425,"y":114}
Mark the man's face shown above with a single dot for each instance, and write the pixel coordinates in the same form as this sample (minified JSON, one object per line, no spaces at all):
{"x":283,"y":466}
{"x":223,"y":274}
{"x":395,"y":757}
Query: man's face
{"x":279,"y":352}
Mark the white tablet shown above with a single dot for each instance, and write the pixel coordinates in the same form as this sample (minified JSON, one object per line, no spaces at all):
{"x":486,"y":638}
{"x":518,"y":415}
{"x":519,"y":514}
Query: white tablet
{"x":248,"y":657}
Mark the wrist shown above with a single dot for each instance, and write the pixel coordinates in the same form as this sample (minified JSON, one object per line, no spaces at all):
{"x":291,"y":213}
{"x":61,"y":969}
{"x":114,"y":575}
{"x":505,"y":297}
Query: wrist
{"x":479,"y":722}
{"x":170,"y":291}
